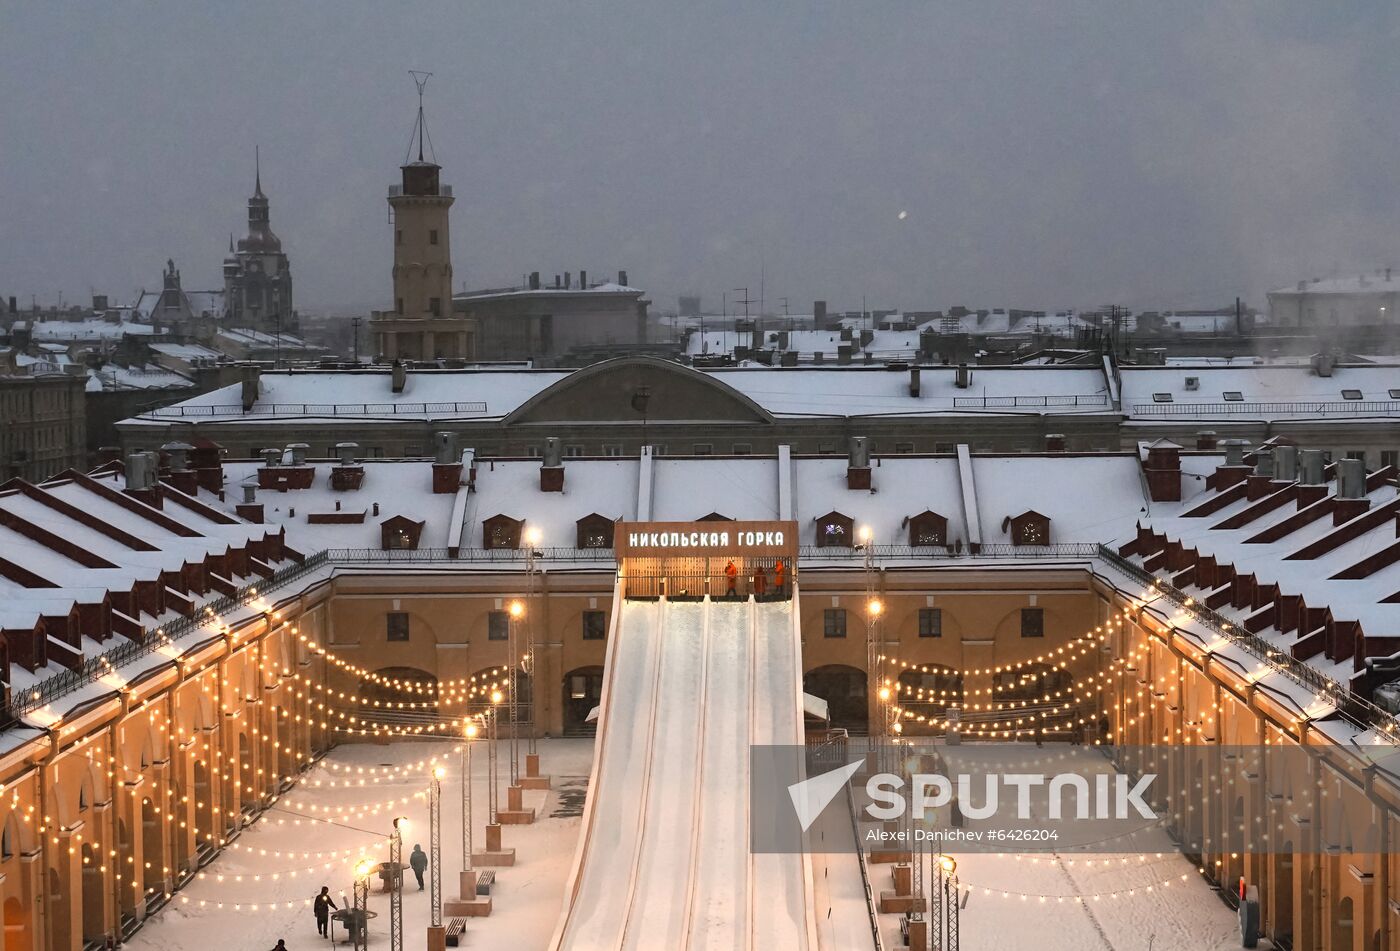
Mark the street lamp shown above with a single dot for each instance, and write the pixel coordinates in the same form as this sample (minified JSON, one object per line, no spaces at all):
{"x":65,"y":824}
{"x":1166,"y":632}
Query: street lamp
{"x":493,"y":769}
{"x":359,"y":915}
{"x":946,"y":910}
{"x":396,"y":876}
{"x":533,"y":537}
{"x":517,"y":611}
{"x":435,"y":845}
{"x":469,"y":733}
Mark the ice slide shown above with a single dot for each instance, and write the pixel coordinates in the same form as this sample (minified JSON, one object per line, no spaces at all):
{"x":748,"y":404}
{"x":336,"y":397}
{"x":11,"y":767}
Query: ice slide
{"x":663,"y":860}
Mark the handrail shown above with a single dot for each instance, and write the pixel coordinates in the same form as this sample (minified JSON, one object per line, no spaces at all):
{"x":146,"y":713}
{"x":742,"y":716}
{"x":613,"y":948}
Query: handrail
{"x":472,"y":407}
{"x":871,"y":909}
{"x":1352,"y":707}
{"x":1009,"y":402}
{"x":1238,"y":407}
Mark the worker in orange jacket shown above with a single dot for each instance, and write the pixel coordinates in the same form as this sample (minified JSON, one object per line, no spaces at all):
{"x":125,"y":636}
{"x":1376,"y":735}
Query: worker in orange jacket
{"x":760,"y":582}
{"x":731,"y":575}
{"x":778,"y":576}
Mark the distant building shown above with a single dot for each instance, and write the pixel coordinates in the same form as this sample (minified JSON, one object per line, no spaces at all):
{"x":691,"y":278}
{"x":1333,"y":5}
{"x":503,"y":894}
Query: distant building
{"x":172,"y":308}
{"x":547,"y":323}
{"x":1365,"y":300}
{"x":44,"y":427}
{"x":258,"y":275}
{"x":422,"y":325}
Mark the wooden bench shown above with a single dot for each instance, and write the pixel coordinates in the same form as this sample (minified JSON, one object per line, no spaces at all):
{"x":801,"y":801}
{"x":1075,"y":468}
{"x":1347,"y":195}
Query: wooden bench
{"x":455,"y":927}
{"x":904,"y":929}
{"x":484,"y":880}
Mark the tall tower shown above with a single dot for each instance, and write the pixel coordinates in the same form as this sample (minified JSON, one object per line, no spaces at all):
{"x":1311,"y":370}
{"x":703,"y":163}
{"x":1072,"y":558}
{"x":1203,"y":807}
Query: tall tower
{"x":258,"y":275}
{"x":422,"y":325}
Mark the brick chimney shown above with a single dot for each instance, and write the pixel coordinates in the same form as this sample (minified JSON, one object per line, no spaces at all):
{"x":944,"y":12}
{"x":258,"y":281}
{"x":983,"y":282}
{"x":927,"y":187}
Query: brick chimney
{"x":552,"y":470}
{"x":1205,"y":440}
{"x":1163,"y":468}
{"x":447,"y":464}
{"x":346,"y":476}
{"x":250,"y":509}
{"x":858,"y":464}
{"x":1260,"y":481}
{"x":913,"y":382}
{"x":398,"y":376}
{"x":1055,"y":442}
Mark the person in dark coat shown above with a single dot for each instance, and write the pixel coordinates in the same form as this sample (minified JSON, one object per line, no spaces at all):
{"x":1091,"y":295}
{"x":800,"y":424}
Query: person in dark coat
{"x":760,"y":582}
{"x":418,"y":861}
{"x":281,"y":945}
{"x":322,"y":906}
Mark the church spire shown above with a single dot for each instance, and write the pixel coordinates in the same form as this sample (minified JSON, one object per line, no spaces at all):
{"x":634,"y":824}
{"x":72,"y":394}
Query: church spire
{"x":257,"y":172}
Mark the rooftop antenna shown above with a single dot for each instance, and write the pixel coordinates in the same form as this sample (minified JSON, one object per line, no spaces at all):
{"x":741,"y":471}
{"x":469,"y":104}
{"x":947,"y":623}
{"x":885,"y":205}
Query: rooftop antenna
{"x":420,"y":79}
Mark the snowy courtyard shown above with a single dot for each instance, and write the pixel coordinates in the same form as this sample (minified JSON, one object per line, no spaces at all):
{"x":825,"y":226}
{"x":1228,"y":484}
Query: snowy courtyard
{"x":260,"y":888}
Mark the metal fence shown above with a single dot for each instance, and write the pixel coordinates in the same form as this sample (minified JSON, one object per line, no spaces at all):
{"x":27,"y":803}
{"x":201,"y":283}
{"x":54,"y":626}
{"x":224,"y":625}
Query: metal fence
{"x":941,"y":552}
{"x":471,"y":408}
{"x":1014,"y":402}
{"x":376,"y":556}
{"x":1354,"y":708}
{"x":1241,"y":408}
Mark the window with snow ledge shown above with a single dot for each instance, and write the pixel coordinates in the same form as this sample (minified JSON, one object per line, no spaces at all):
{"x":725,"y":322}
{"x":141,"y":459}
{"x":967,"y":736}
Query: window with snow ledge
{"x":1351,"y":394}
{"x":1394,"y":394}
{"x":1233,"y":396}
{"x":835,"y":530}
{"x":1161,"y":397}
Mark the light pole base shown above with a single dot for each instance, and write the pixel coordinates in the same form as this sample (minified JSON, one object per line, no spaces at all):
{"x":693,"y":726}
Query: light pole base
{"x":532,"y":778}
{"x":503,"y":858}
{"x":467,"y":907}
{"x":515,"y":813}
{"x":893,"y":903}
{"x":918,"y":934}
{"x":437,"y":938}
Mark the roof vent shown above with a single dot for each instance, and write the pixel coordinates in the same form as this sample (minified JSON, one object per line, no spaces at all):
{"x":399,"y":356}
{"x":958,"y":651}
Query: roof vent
{"x":1193,"y":383}
{"x":553,"y":452}
{"x":1264,"y":463}
{"x":178,"y":453}
{"x":250,"y":493}
{"x":962,"y":379}
{"x":1312,"y":464}
{"x":398,"y":376}
{"x":552,"y":471}
{"x":1205,"y":439}
{"x":1286,"y":463}
{"x":914,"y":382}
{"x":139,"y":471}
{"x":346,"y":452}
{"x":1234,"y":451}
{"x":272,"y":457}
{"x":298,"y":451}
{"x":446,"y":448}
{"x":1351,"y":479}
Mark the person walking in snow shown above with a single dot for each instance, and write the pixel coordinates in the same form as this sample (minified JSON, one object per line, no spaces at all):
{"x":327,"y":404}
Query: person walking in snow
{"x":281,"y":945}
{"x":418,"y":861}
{"x":731,"y":575}
{"x":322,"y":907}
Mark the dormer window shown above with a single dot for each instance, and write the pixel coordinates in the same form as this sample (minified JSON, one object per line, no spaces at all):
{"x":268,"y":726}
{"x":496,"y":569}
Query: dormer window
{"x":928,"y":529}
{"x":835,"y":530}
{"x":1233,"y":396}
{"x":1351,"y":394}
{"x":1161,"y":397}
{"x":501,"y":531}
{"x":398,"y":532}
{"x":595,"y":531}
{"x":1030,"y":528}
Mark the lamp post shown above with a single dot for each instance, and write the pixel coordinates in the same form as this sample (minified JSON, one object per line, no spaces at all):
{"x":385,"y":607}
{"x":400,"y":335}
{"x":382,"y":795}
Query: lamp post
{"x":492,"y":759}
{"x":528,"y":662}
{"x":468,"y":734}
{"x":517,"y":611}
{"x":945,"y":908}
{"x":359,"y":915}
{"x":396,"y":877}
{"x":435,"y":845}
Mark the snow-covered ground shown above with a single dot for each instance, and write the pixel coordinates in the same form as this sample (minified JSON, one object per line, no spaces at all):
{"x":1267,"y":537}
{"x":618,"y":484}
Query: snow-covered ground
{"x":527,"y":897}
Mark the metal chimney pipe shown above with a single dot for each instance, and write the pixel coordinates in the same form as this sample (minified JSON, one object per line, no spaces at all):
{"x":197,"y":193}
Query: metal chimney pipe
{"x":298,"y":451}
{"x":1234,"y":451}
{"x":250,"y":493}
{"x":1351,"y":479}
{"x":1264,"y":463}
{"x":1312,"y":465}
{"x":553,"y":452}
{"x":859,"y":453}
{"x":272,"y":457}
{"x":346,"y":452}
{"x":138,"y":471}
{"x":1286,"y":463}
{"x":446,"y":444}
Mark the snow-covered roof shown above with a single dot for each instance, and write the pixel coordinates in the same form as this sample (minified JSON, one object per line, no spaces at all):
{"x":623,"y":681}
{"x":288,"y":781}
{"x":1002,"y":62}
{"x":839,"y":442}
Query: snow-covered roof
{"x":248,"y":337}
{"x":148,"y":377}
{"x":187,"y":351}
{"x":76,"y":330}
{"x":1377,"y":283}
{"x":1260,"y":392}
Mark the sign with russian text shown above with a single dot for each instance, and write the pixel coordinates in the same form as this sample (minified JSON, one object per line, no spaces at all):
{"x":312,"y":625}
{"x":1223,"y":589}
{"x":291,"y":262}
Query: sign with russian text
{"x":718,"y":539}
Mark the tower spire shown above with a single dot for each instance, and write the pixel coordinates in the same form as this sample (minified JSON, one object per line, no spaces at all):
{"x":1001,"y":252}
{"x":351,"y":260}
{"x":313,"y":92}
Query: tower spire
{"x":257,"y":172}
{"x":420,"y":128}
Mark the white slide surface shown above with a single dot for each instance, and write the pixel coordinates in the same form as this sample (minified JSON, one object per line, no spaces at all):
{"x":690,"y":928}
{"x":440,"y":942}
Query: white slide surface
{"x":663,"y":860}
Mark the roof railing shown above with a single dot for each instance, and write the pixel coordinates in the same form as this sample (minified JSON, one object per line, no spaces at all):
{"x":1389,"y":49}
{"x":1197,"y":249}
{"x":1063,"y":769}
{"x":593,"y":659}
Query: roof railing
{"x":1289,"y":407}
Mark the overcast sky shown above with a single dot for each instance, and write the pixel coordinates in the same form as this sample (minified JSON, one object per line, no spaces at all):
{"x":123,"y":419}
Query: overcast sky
{"x":1045,"y":154}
